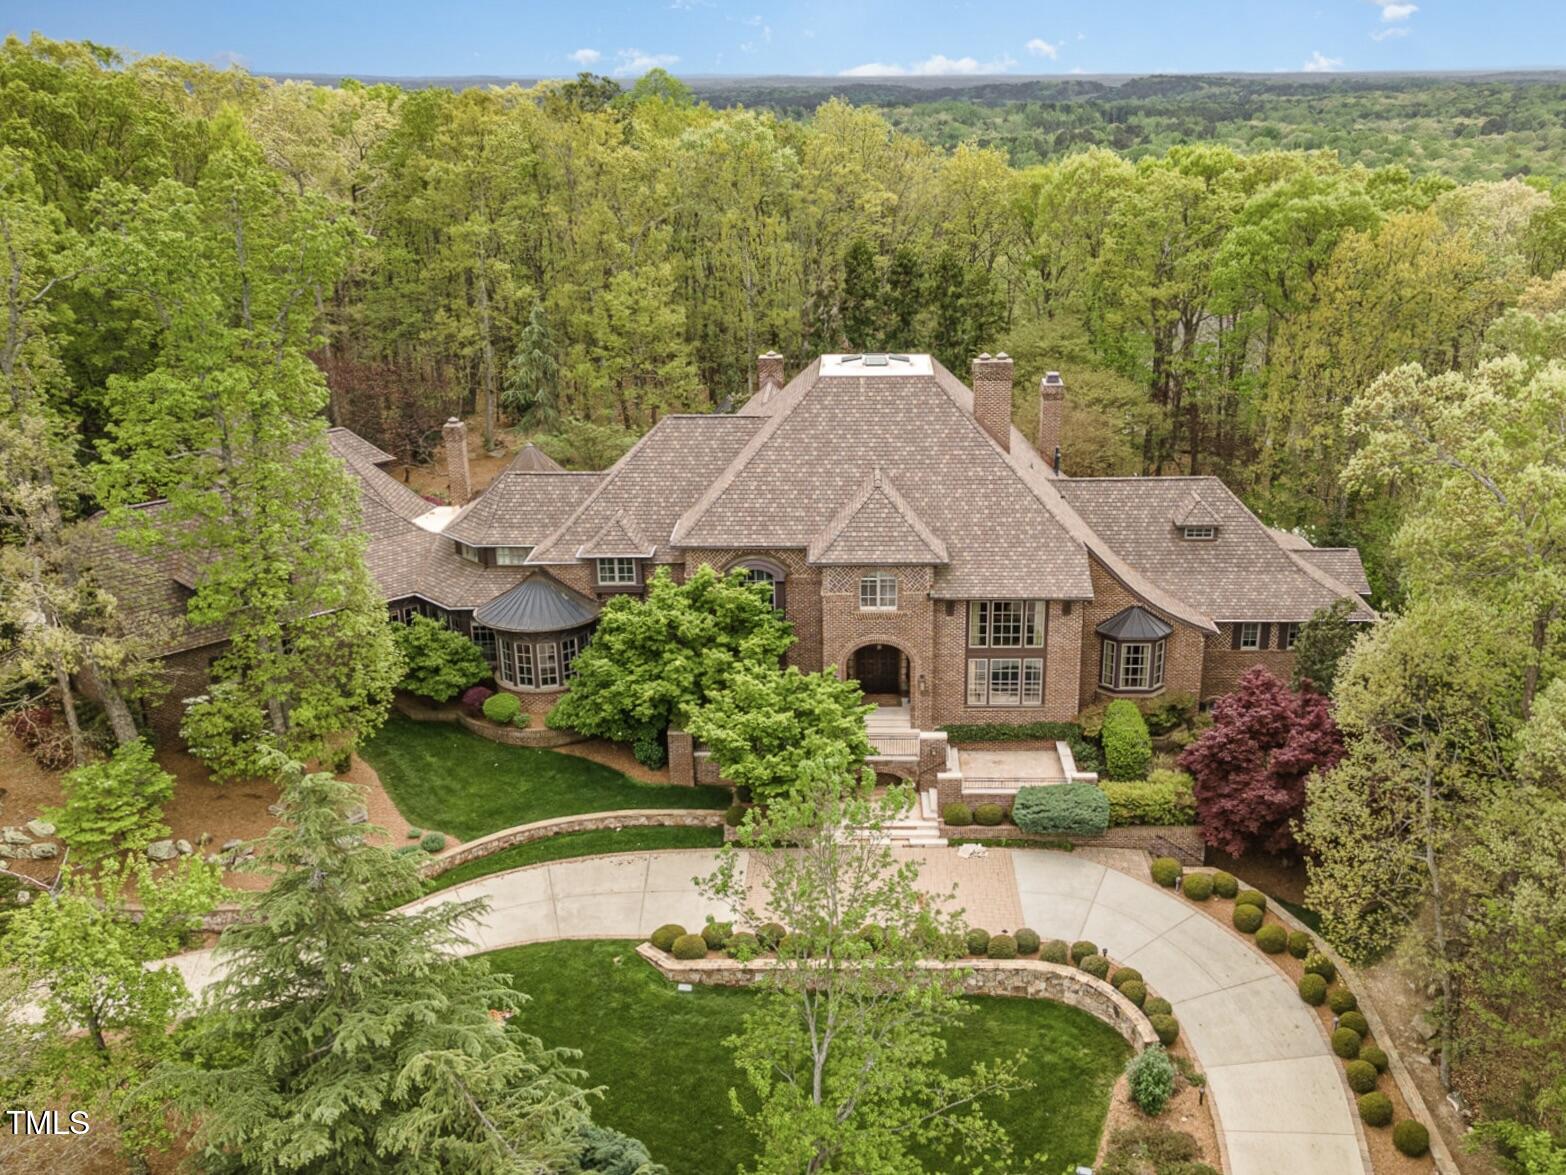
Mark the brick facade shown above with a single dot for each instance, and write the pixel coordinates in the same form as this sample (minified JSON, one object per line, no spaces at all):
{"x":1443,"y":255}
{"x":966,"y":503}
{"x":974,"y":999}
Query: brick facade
{"x":1185,"y":649}
{"x":1223,"y":664}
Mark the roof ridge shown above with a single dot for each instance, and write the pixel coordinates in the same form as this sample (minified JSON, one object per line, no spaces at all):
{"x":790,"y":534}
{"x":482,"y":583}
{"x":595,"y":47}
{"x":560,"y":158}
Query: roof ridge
{"x":878,"y":483}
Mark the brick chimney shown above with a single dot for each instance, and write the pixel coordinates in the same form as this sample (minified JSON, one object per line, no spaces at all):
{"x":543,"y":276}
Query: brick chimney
{"x":992,"y":396}
{"x":769,"y":368}
{"x":1052,"y":407}
{"x":455,"y":434}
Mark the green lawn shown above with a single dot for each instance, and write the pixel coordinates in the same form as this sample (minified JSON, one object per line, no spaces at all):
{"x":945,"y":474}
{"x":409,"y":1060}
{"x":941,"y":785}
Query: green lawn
{"x":660,"y":1054}
{"x":579,"y":844}
{"x":441,"y":776}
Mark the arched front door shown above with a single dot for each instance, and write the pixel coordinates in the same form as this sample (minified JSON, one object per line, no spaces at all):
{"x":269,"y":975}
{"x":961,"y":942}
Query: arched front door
{"x":881,"y":669}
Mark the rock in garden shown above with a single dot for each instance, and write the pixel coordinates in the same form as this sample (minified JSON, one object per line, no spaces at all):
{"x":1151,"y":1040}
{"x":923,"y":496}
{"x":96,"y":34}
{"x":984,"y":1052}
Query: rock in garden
{"x":162,"y":850}
{"x":1425,"y":1026}
{"x":359,"y":815}
{"x":12,"y":835}
{"x":231,"y":844}
{"x":39,"y":828}
{"x":42,"y":852}
{"x":184,"y":847}
{"x":275,"y":809}
{"x":9,"y":852}
{"x":213,"y":858}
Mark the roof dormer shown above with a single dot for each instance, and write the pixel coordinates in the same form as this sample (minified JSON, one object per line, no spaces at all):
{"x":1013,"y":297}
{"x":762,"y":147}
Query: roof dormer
{"x":1196,"y":520}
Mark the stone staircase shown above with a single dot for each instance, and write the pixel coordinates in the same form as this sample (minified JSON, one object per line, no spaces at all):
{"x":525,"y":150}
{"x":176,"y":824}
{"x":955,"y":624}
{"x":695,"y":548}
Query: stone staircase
{"x":920,"y":827}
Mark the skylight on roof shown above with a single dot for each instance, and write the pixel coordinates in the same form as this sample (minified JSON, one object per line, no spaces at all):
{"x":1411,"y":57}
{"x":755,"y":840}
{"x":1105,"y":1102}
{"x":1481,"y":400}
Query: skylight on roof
{"x":875,"y":363}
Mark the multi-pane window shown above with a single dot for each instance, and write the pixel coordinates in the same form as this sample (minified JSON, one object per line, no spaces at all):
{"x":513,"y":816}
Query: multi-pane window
{"x":1289,"y":636}
{"x":1250,"y":636}
{"x":1131,"y":665}
{"x":1108,"y":664}
{"x":484,"y":638}
{"x":762,"y":575}
{"x":1005,"y":681}
{"x":1006,"y":624}
{"x":469,"y":553}
{"x":511,"y":556}
{"x":1201,"y":532}
{"x":615,"y":572}
{"x":569,"y":647}
{"x":878,"y":592}
{"x":527,"y":663}
{"x":521,"y":663}
{"x":548,"y":665}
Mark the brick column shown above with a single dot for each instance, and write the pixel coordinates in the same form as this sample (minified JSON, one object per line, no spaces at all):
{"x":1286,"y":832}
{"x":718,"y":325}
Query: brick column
{"x":992,"y":396}
{"x":1052,"y":408}
{"x":769,"y":369}
{"x":682,"y":758}
{"x":455,"y":434}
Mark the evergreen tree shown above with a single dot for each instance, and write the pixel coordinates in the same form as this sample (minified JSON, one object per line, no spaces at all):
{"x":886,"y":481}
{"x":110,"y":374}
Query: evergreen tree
{"x":859,"y":309}
{"x":901,"y":301}
{"x":532,"y":388}
{"x":344,"y":1036}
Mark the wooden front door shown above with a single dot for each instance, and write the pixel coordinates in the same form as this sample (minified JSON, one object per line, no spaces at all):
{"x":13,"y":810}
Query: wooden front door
{"x":878,"y":669}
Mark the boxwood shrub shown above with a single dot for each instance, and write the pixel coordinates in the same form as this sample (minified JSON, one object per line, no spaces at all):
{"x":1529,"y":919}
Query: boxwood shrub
{"x":1027,"y":941}
{"x":1317,"y":963}
{"x":1054,"y":951}
{"x":989,"y":815}
{"x":1340,"y":1000}
{"x":743,"y":946}
{"x":1225,"y":885}
{"x":1167,"y":1027}
{"x":1124,"y":975}
{"x":1095,"y":965}
{"x":1128,"y":747}
{"x":717,"y":934}
{"x":957,"y":815}
{"x":1272,"y":938}
{"x":502,"y":707}
{"x":1157,"y":1006}
{"x":1313,"y":990}
{"x":1166,"y":871}
{"x":873,"y":934}
{"x":689,"y":946}
{"x":1198,"y":886}
{"x":1345,"y":1042}
{"x":663,"y":938}
{"x":1300,"y":944}
{"x":1251,"y":897}
{"x":432,"y":842}
{"x":1356,"y":1021}
{"x":1163,"y":798}
{"x":770,"y":934}
{"x":1361,"y":1075}
{"x":734,"y":815}
{"x":1002,"y":946}
{"x":1071,"y":809}
{"x":1375,"y":1109}
{"x":1375,"y":1055}
{"x":1247,"y":919}
{"x":1411,"y":1138}
{"x":1135,"y":991}
{"x":1081,"y":949}
{"x":977,"y":941}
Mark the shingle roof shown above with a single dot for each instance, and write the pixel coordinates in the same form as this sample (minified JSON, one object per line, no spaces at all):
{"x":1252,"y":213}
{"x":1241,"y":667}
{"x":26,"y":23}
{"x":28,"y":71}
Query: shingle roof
{"x":347,"y":443}
{"x":645,"y":490}
{"x":531,"y":459}
{"x":540,"y":603}
{"x":823,"y":436}
{"x":521,"y":507}
{"x":1243,"y":574}
{"x":617,"y":537}
{"x":1195,"y":512}
{"x":1342,"y":563}
{"x":877,"y":526}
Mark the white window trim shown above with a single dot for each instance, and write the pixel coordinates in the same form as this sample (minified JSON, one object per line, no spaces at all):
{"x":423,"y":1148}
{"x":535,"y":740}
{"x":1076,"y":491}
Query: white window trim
{"x":616,"y":571}
{"x":1199,"y":534}
{"x":1032,"y":621}
{"x":981,"y":690}
{"x":1288,"y":635}
{"x":1112,"y":666}
{"x":883,"y":591}
{"x":511,"y":556}
{"x":1250,"y":636}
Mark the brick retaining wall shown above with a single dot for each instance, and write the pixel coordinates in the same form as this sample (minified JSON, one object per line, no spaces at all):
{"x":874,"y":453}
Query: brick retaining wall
{"x":523,"y":834}
{"x":1185,"y":837}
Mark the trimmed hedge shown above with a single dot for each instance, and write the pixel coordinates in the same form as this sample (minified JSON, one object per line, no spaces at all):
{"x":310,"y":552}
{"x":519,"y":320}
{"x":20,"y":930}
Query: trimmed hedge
{"x":502,"y":707}
{"x":1027,"y":941}
{"x":1340,"y":1000}
{"x":1072,"y":809}
{"x":1313,"y":990}
{"x":1356,"y":1021}
{"x":717,"y":934}
{"x":1225,"y":885}
{"x":1376,"y":1056}
{"x":1157,"y":1006}
{"x":1002,"y":946}
{"x":1135,"y":991}
{"x":770,"y":934}
{"x":1272,"y":938}
{"x":1362,"y":1076}
{"x":989,"y":815}
{"x":1411,"y":1138}
{"x":1124,"y":975}
{"x":977,"y":941}
{"x":1167,"y":1027}
{"x":1082,"y":948}
{"x":1375,"y":1109}
{"x":1128,"y":747}
{"x":689,"y":947}
{"x":1247,"y":919}
{"x":1317,"y":963}
{"x":1345,"y":1042}
{"x":1198,"y":886}
{"x":1166,"y":871}
{"x":957,"y":815}
{"x":1300,"y":944}
{"x":1251,"y":897}
{"x":1095,"y":965}
{"x":1054,"y":951}
{"x":734,"y":815}
{"x":432,"y":842}
{"x":663,"y":938}
{"x":1164,"y":798}
{"x":1001,"y":732}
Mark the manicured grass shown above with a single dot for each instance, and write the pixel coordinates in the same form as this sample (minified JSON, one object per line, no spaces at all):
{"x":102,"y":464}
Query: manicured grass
{"x":579,"y":844}
{"x":660,"y":1054}
{"x":441,"y":776}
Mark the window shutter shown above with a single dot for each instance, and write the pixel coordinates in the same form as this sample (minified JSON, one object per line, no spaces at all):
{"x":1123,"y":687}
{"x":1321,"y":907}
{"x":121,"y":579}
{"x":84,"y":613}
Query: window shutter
{"x":1266,"y":636}
{"x":1234,"y":635}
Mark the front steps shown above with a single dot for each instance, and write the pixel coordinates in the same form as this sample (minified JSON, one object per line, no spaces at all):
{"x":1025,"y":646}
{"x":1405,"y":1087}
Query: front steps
{"x":919,"y":828}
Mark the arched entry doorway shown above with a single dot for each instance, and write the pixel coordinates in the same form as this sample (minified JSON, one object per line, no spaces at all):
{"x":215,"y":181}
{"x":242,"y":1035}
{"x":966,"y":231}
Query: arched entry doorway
{"x":881,"y":671}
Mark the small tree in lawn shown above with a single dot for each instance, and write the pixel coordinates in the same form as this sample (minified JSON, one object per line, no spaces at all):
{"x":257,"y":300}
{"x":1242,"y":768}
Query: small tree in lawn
{"x":437,"y":662}
{"x":344,"y":1036}
{"x":114,"y":805}
{"x":1250,"y":766}
{"x":1322,"y":642}
{"x":654,"y":662}
{"x":766,"y":720}
{"x":841,"y":1051}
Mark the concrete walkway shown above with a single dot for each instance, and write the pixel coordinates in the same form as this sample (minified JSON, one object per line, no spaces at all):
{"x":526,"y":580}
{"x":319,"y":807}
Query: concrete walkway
{"x":1281,"y":1102}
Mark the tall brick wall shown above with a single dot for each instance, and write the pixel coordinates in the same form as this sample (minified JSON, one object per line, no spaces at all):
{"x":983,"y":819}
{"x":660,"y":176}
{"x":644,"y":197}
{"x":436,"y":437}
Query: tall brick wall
{"x":845,"y":628}
{"x":1061,"y":651}
{"x":1224,"y":663}
{"x":187,"y":674}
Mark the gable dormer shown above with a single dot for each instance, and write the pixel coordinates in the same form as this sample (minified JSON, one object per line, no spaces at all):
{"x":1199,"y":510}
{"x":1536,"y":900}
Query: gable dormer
{"x":1195,"y":520}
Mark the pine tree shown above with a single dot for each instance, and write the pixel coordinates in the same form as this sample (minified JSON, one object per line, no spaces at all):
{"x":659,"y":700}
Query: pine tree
{"x":533,"y":377}
{"x":344,"y":1035}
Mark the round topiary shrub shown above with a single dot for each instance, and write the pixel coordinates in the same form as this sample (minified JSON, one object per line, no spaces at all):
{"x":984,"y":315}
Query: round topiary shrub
{"x":957,"y":815}
{"x":1362,"y":1076}
{"x":989,"y":815}
{"x":663,"y":938}
{"x":1341,"y":999}
{"x":1313,"y":990}
{"x":1251,"y":897}
{"x":1135,"y":991}
{"x":1157,"y":1006}
{"x":717,"y":934}
{"x":1376,"y":1056}
{"x":1151,"y":1078}
{"x":1166,"y":871}
{"x":1124,"y":975}
{"x":1300,"y":944}
{"x":1054,"y":951}
{"x":1225,"y":885}
{"x":1247,"y":919}
{"x":1317,"y":963}
{"x":769,"y":934}
{"x":1095,"y":965}
{"x":977,"y":941}
{"x":432,"y":842}
{"x":1411,"y":1138}
{"x":734,"y":816}
{"x":1167,"y":1027}
{"x":1198,"y":886}
{"x":1375,"y":1109}
{"x":1081,"y":949}
{"x":688,"y":947}
{"x":792,"y":946}
{"x":1002,"y":946}
{"x":1027,"y":941}
{"x":1345,"y":1042}
{"x":502,"y":707}
{"x":1356,"y":1021}
{"x":415,"y":833}
{"x":743,"y":946}
{"x":874,"y":935}
{"x":1272,"y":938}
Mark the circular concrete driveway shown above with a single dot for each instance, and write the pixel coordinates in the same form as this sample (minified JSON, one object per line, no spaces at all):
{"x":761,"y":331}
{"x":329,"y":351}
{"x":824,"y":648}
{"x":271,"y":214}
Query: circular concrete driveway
{"x":1282,"y":1105}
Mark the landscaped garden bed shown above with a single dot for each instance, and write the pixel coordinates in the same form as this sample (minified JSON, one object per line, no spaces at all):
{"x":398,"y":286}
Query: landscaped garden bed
{"x":578,"y":844}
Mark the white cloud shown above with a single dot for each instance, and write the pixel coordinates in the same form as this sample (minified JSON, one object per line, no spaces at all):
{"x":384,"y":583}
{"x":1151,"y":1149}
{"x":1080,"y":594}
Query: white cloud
{"x":628,"y":61}
{"x":586,"y":56}
{"x":873,"y":69}
{"x":1318,"y":62}
{"x":1397,"y":30}
{"x":1395,"y":10}
{"x":1039,"y":47}
{"x":938,"y":65}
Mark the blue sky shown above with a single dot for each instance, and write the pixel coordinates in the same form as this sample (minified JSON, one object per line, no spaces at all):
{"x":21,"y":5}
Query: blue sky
{"x":528,"y":38}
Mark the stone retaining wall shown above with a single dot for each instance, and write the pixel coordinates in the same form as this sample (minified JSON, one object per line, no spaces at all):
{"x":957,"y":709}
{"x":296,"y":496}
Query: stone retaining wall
{"x":533,"y":735}
{"x":1020,"y":978}
{"x":523,"y":834}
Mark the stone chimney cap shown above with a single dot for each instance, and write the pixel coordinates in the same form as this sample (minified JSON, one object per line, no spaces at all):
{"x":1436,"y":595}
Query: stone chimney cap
{"x":452,"y":420}
{"x":1002,"y":355}
{"x":984,"y":355}
{"x":1053,"y":377}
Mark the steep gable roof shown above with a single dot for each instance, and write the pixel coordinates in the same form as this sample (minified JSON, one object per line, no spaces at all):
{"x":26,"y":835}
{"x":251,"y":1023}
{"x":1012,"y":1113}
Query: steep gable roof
{"x":347,"y":443}
{"x":616,"y":538}
{"x":531,"y":459}
{"x":1342,"y":563}
{"x":1195,"y":512}
{"x":877,"y":526}
{"x":520,"y":508}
